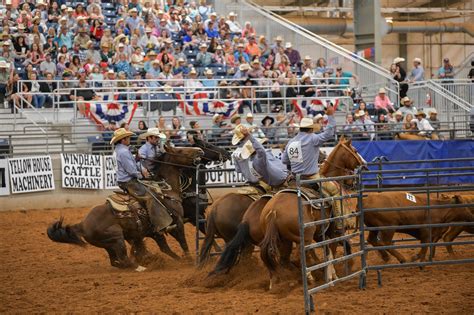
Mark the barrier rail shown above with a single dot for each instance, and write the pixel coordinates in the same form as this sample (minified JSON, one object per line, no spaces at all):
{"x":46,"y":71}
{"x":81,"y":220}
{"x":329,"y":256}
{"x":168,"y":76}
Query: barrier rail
{"x":430,"y":227}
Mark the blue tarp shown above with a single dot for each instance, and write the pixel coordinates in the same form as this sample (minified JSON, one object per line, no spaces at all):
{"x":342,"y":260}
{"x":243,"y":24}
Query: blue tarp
{"x":419,"y":150}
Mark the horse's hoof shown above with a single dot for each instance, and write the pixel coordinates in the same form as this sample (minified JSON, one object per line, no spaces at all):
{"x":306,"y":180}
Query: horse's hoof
{"x":140,"y":269}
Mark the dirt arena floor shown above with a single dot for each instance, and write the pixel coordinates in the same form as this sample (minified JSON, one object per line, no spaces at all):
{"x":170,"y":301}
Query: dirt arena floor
{"x":39,"y":276}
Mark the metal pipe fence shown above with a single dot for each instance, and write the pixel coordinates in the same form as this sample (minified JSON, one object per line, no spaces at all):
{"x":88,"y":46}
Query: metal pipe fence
{"x":430,"y":224}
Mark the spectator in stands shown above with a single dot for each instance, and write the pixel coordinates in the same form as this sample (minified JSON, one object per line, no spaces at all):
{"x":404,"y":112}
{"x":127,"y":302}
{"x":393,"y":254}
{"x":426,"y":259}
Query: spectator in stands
{"x":397,"y":122}
{"x":161,"y":124}
{"x":433,"y":119}
{"x":196,"y":129}
{"x":277,"y":45}
{"x":240,"y":56}
{"x":308,"y":68}
{"x":177,"y":132}
{"x":142,"y":127}
{"x":236,"y":120}
{"x":242,"y":74}
{"x":365,"y":125}
{"x":252,"y":127}
{"x":252,"y":49}
{"x":203,"y":58}
{"x":264,"y":47}
{"x":382,"y":103}
{"x":6,"y":72}
{"x":209,"y":80}
{"x":248,"y":30}
{"x":249,"y":97}
{"x":407,"y":126}
{"x":446,"y":72}
{"x":399,"y":74}
{"x":193,"y":83}
{"x":48,"y":88}
{"x":293,"y":54}
{"x":470,"y":75}
{"x":307,"y":88}
{"x":423,"y":124}
{"x":407,"y":107}
{"x":417,"y":73}
{"x":33,"y":85}
{"x":349,"y":126}
{"x":233,"y":24}
{"x":383,"y":128}
{"x":218,"y":127}
{"x":256,"y":71}
{"x":321,"y":68}
{"x":341,"y":79}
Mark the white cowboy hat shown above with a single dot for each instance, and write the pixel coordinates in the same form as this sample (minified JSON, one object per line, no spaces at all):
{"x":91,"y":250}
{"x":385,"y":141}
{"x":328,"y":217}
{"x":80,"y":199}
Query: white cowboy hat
{"x":382,"y":91}
{"x":119,"y":134}
{"x":398,"y":60}
{"x":152,"y":132}
{"x":240,"y":45}
{"x":398,"y":113}
{"x":279,"y":38}
{"x":359,"y":113}
{"x":306,"y":123}
{"x":193,"y":71}
{"x":417,"y":60}
{"x":232,"y":14}
{"x":215,"y":117}
{"x":209,"y":72}
{"x":433,"y":111}
{"x":244,"y":66}
{"x":238,"y":135}
{"x":406,"y":99}
{"x":249,"y":115}
{"x":288,"y":45}
{"x":307,"y":57}
{"x":305,"y":76}
{"x":248,"y":149}
{"x":148,"y":29}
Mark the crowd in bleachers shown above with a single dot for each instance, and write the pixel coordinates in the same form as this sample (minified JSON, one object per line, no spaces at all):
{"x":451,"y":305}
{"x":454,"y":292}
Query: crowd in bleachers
{"x":122,"y":40}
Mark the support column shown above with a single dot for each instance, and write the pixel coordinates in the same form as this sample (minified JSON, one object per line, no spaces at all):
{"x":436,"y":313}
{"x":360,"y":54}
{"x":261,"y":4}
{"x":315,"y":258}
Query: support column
{"x":367,"y":27}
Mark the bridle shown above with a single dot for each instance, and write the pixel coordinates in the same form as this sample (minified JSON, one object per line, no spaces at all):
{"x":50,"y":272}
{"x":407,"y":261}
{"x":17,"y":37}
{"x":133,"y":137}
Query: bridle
{"x":345,"y":169}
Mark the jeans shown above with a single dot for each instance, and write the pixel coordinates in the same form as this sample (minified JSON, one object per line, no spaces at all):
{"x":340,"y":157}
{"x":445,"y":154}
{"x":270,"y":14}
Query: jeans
{"x":38,"y":100}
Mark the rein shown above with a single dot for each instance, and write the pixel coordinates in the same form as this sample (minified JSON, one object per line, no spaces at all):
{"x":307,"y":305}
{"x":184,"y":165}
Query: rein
{"x":346,"y":170}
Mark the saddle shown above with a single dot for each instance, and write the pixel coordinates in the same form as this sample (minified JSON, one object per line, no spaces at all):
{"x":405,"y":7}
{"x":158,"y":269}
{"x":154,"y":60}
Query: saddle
{"x":255,"y":192}
{"x":309,"y":195}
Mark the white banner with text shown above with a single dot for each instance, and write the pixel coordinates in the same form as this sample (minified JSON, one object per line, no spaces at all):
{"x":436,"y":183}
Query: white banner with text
{"x":31,"y":174}
{"x":82,"y":171}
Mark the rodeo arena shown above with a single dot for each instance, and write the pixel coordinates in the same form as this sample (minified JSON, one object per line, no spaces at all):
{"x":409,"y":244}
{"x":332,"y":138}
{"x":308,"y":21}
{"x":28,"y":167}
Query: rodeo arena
{"x":237,"y":156}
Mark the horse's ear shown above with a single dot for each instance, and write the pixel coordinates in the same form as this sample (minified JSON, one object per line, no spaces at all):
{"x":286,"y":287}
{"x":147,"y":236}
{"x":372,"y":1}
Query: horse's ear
{"x":168,"y":145}
{"x":342,"y":138}
{"x":349,"y":141}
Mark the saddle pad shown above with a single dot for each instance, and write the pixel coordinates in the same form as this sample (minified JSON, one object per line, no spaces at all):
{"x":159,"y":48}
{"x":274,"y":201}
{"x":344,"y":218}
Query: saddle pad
{"x":307,"y":193}
{"x":120,"y":202}
{"x":251,"y":192}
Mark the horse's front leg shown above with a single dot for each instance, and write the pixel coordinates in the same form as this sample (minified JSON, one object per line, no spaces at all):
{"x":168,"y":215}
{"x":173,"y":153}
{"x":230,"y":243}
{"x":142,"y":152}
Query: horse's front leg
{"x":178,"y":234}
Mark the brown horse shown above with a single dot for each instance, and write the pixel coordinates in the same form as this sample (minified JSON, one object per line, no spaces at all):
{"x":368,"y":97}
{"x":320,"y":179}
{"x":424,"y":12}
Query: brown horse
{"x":399,"y":199}
{"x":103,"y":228}
{"x":454,"y":231}
{"x":279,"y":218}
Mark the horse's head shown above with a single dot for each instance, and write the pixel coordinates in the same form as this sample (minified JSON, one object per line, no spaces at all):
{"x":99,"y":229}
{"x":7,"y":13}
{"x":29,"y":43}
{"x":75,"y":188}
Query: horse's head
{"x":212,"y":153}
{"x":343,"y":160}
{"x":185,"y":156}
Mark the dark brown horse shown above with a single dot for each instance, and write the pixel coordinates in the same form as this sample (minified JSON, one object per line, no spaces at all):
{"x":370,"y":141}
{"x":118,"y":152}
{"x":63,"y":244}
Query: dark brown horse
{"x":279,"y":218}
{"x":103,"y":228}
{"x":249,"y":231}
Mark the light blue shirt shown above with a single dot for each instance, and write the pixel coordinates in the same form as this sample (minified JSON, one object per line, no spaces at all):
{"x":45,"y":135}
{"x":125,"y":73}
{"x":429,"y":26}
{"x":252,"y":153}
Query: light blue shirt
{"x":417,"y":74}
{"x":127,"y":168}
{"x":302,"y":152}
{"x":147,"y":153}
{"x":271,"y":170}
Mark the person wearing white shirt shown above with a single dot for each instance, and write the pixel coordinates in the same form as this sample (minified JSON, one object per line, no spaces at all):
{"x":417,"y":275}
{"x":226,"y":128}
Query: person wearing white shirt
{"x":148,"y":40}
{"x":254,"y":129}
{"x":234,"y":26}
{"x":423,"y":124}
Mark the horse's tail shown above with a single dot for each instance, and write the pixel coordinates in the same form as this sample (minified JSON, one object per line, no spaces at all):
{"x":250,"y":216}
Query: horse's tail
{"x":209,"y":238}
{"x":231,"y":255}
{"x":71,"y":234}
{"x":269,"y":246}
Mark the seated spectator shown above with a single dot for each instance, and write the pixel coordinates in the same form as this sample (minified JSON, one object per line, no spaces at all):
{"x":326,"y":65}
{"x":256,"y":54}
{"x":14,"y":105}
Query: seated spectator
{"x":177,"y":132}
{"x":193,"y":83}
{"x":264,"y":47}
{"x":252,"y":127}
{"x":321,"y":68}
{"x":349,"y":126}
{"x":48,"y":66}
{"x":252,"y":49}
{"x":155,"y":69}
{"x":423,"y":124}
{"x":203,"y":58}
{"x":382,"y":103}
{"x":341,"y":79}
{"x":248,"y":30}
{"x":256,"y":71}
{"x":406,"y":106}
{"x":397,"y":122}
{"x":267,"y":127}
{"x":249,"y":97}
{"x":433,"y":120}
{"x":37,"y":98}
{"x":293,"y":54}
{"x":407,"y":122}
{"x":383,"y":128}
{"x":243,"y":72}
{"x":308,"y":68}
{"x":365,"y":126}
{"x":240,"y":56}
{"x":48,"y":88}
{"x":233,"y":24}
{"x":83,"y":91}
{"x":209,"y":81}
{"x":307,"y":89}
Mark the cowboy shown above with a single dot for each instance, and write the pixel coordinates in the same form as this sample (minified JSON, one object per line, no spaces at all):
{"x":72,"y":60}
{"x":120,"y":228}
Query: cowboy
{"x":153,"y":147}
{"x":423,"y":124}
{"x":302,"y":153}
{"x":407,"y":107}
{"x":128,"y":175}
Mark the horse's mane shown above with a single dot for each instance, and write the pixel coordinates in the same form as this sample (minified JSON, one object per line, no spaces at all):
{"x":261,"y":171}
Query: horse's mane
{"x":325,"y":166}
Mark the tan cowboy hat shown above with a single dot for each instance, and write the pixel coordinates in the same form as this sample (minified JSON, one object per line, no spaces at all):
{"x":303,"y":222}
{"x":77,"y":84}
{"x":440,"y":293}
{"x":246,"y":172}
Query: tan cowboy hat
{"x":398,"y":60}
{"x":398,"y":113}
{"x":152,"y":132}
{"x":133,"y":10}
{"x":167,"y":88}
{"x":119,"y":134}
{"x":406,"y":99}
{"x":382,"y":91}
{"x":279,"y":38}
{"x":215,"y":117}
{"x":248,"y":149}
{"x":307,"y":57}
{"x":148,"y":29}
{"x":318,"y":117}
{"x":4,"y":64}
{"x":238,"y":135}
{"x":234,"y":118}
{"x":240,"y":45}
{"x":255,"y":61}
{"x":306,"y":123}
{"x":232,"y":14}
{"x":305,"y":76}
{"x":249,"y":115}
{"x":420,"y":113}
{"x":360,"y":113}
{"x":209,"y":72}
{"x":288,"y":45}
{"x":433,"y":111}
{"x":193,"y":71}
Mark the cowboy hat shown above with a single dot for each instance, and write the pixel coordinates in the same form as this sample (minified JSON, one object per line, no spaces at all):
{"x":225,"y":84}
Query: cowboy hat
{"x":417,"y":60}
{"x":272,"y":120}
{"x":193,"y":71}
{"x":152,"y":132}
{"x":398,"y":113}
{"x":148,"y":29}
{"x":255,"y":61}
{"x":249,"y":115}
{"x":238,"y":135}
{"x":307,"y":57}
{"x":433,"y":111}
{"x":398,"y":60}
{"x":167,"y":88}
{"x":306,"y":123}
{"x":119,"y":134}
{"x":133,"y":10}
{"x":215,"y":117}
{"x":305,"y":76}
{"x":382,"y":91}
{"x":234,"y":118}
{"x":240,"y":45}
{"x":318,"y":117}
{"x":360,"y":113}
{"x":244,"y":66}
{"x":420,"y":113}
{"x":232,"y":14}
{"x":248,"y":149}
{"x":288,"y":45}
{"x":279,"y":38}
{"x":4,"y":64}
{"x":406,"y":99}
{"x":203,"y":45}
{"x":209,"y":72}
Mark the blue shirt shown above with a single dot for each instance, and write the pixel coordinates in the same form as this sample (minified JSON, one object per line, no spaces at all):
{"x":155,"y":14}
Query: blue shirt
{"x":417,"y":74}
{"x":147,"y":153}
{"x":126,"y":166}
{"x":237,"y":57}
{"x":302,"y":151}
{"x":271,"y":170}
